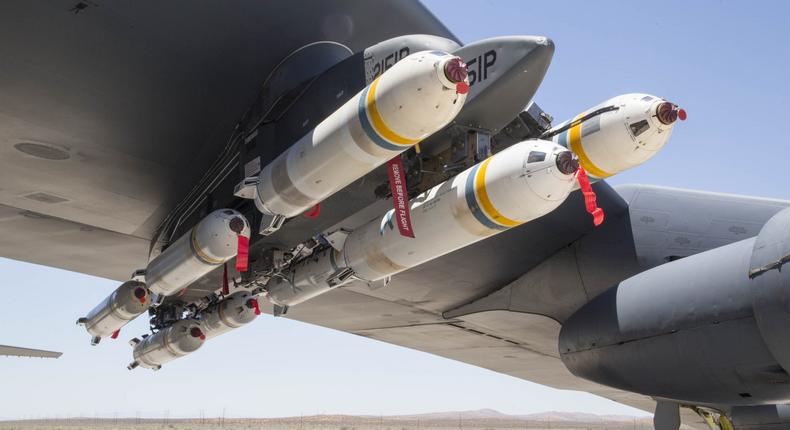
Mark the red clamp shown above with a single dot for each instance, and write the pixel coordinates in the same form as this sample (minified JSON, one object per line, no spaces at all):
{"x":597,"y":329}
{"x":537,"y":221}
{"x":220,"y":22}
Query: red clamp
{"x":589,"y":197}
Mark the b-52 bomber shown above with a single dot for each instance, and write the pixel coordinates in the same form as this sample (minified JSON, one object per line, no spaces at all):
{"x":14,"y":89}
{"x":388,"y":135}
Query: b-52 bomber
{"x":351,"y":165}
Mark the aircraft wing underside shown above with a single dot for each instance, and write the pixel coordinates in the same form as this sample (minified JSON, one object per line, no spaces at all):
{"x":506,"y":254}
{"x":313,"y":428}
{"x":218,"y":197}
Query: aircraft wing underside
{"x":110,"y":112}
{"x":103,"y":132}
{"x":454,"y":306}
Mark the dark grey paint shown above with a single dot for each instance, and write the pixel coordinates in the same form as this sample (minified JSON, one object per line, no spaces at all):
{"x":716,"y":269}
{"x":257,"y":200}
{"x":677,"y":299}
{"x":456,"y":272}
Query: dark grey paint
{"x":764,"y":417}
{"x":142,"y":95}
{"x":686,"y":330}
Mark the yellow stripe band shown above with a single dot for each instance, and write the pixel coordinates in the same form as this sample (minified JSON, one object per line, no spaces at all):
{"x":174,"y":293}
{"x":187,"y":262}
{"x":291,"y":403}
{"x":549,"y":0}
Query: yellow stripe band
{"x":575,"y":138}
{"x":485,"y":201}
{"x":378,"y":123}
{"x":196,"y":251}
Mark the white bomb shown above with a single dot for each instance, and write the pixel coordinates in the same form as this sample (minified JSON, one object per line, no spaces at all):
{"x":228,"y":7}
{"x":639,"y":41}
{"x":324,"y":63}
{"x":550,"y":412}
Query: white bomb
{"x":418,"y":96}
{"x":515,"y":186}
{"x":618,"y":134}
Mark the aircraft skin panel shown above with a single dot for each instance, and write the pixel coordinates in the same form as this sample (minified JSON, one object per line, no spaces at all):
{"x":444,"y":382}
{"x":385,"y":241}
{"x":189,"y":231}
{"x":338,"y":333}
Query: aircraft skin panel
{"x":110,"y":113}
{"x":670,"y":223}
{"x":516,"y":344}
{"x":15,"y":351}
{"x":35,"y":238}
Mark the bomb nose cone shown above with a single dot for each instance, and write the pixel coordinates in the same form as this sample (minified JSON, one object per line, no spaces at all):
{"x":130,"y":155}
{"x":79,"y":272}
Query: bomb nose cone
{"x":567,"y":163}
{"x":236,"y":224}
{"x":668,"y":113}
{"x":455,"y":70}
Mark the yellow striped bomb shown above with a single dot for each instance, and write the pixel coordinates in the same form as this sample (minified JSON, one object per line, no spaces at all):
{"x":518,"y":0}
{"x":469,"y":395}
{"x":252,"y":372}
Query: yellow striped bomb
{"x":406,"y":104}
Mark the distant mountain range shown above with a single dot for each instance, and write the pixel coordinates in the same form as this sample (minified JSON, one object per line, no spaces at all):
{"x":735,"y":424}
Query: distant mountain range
{"x":494,"y":415}
{"x":481,"y":418}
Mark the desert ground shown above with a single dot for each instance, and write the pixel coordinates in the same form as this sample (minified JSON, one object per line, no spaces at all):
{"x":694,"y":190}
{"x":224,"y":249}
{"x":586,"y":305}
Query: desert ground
{"x":545,"y":421}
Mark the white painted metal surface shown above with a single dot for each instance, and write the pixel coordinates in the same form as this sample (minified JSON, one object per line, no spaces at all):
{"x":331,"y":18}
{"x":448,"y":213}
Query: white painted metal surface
{"x":510,"y":188}
{"x":178,"y":340}
{"x":210,"y":243}
{"x":404,"y":105}
{"x":127,"y":302}
{"x":235,"y":311}
{"x":618,"y":139}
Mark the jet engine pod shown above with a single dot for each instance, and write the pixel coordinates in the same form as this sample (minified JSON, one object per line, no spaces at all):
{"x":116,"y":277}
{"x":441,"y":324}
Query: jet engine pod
{"x":706,"y":329}
{"x":764,"y":417}
{"x":770,"y":285}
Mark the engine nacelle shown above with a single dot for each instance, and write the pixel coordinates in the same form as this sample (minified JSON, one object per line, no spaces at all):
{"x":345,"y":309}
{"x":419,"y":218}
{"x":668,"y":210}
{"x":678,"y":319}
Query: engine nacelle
{"x":764,"y":417}
{"x":706,"y":329}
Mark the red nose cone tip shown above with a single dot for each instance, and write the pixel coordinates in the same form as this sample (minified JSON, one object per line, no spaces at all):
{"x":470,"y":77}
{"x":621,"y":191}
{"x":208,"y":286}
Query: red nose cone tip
{"x":462,"y":88}
{"x":682,"y":114}
{"x":455,"y":70}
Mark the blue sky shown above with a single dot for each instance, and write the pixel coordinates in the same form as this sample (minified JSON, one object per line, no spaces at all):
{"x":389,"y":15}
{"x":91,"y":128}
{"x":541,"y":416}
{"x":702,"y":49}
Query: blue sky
{"x":725,"y":62}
